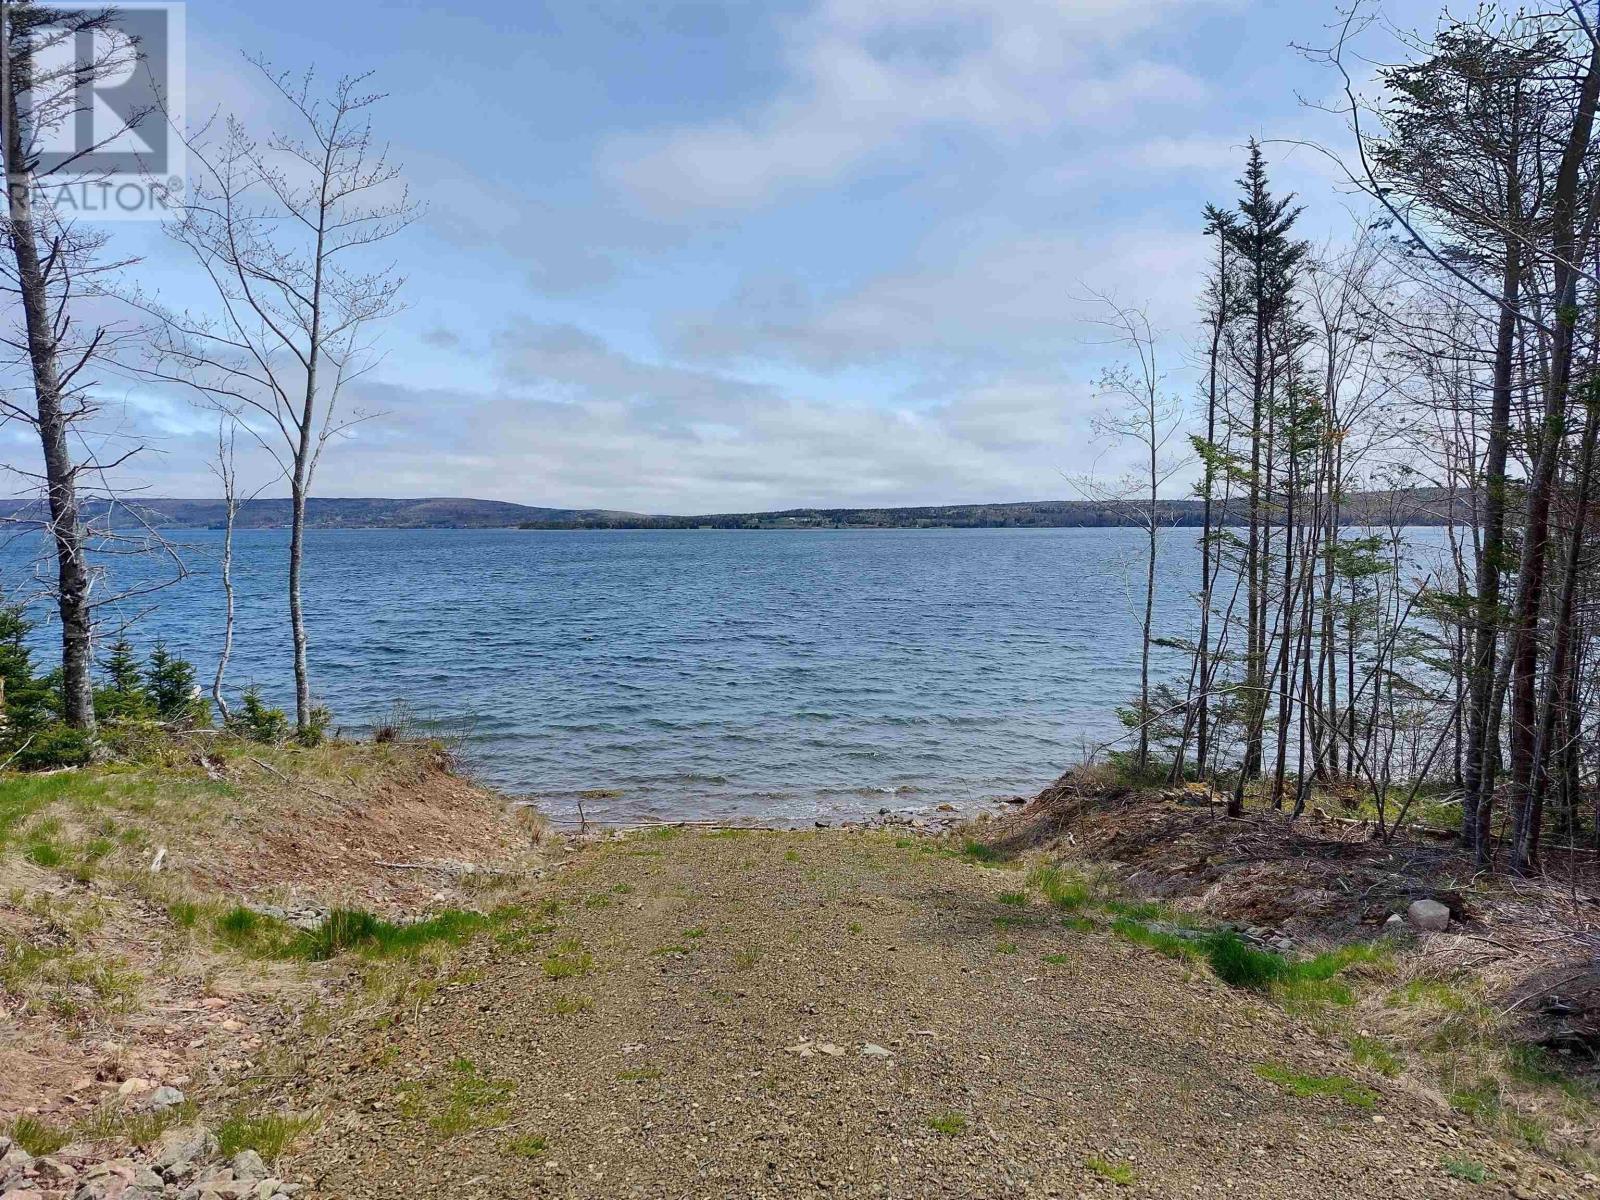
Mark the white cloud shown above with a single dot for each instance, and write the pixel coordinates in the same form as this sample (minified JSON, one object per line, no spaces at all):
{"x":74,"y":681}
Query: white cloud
{"x":579,"y":423}
{"x":867,"y":77}
{"x":1020,"y":299}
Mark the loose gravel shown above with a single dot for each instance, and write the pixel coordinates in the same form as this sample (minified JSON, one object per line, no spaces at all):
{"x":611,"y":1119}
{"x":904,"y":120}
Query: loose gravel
{"x":852,"y":1014}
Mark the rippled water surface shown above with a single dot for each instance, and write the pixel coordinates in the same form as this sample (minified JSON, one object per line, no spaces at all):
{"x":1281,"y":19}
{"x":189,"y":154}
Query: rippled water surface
{"x":794,"y":675}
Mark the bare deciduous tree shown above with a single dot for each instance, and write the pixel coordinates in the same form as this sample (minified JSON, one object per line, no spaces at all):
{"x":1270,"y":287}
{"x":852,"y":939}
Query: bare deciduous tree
{"x":1145,"y":417}
{"x":279,"y":228}
{"x":55,"y":267}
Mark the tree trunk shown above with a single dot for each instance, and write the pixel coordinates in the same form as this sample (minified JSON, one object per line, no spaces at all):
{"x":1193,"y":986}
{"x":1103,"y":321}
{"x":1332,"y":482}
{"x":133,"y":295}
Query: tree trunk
{"x":66,"y":523}
{"x":217,"y":696}
{"x":1482,"y":758}
{"x":1526,"y":835}
{"x":1525,"y":762}
{"x":297,"y":621}
{"x":1149,"y":607}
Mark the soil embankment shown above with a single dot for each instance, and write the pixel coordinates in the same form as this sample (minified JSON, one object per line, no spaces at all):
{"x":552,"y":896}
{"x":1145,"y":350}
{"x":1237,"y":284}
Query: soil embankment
{"x":679,"y":1012}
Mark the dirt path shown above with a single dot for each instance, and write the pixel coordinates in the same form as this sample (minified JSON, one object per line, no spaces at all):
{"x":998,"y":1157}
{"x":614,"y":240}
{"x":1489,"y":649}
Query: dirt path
{"x":690,"y":1022}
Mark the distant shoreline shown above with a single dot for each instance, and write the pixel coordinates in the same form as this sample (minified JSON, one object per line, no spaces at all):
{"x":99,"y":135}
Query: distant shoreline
{"x":1415,"y":507}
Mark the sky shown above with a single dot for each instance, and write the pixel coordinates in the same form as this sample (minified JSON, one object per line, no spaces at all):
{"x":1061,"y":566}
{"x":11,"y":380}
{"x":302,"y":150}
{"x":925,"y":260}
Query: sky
{"x":727,"y":255}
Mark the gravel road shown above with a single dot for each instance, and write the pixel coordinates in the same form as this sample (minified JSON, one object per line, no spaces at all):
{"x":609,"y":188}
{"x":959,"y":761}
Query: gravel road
{"x":848,"y":1014}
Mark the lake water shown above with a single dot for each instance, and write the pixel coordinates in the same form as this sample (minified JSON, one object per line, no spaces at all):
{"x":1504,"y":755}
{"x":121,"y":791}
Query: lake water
{"x":777,"y":675}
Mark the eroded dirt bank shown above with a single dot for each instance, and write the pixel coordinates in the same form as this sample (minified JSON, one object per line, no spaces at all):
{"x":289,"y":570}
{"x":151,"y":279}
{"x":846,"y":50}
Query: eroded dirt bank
{"x":364,"y":978}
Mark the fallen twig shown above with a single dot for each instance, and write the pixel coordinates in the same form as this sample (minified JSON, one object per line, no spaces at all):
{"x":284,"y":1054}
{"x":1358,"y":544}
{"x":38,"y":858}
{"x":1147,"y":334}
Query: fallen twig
{"x":268,"y":767}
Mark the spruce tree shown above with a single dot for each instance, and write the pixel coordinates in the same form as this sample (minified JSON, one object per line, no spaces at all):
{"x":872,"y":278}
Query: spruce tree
{"x":170,"y":684}
{"x":1269,"y":259}
{"x":124,"y":694}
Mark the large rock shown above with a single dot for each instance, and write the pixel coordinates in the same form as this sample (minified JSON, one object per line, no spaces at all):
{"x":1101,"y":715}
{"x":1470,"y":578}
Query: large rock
{"x":179,"y":1149}
{"x":119,"y":1179}
{"x":14,"y":1166}
{"x":164,"y":1097}
{"x":247,"y":1164}
{"x":1429,"y":915}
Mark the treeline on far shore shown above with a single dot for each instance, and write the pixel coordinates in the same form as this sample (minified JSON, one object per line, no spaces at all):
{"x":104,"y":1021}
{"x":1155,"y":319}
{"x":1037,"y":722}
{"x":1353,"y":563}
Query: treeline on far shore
{"x":1419,"y":506}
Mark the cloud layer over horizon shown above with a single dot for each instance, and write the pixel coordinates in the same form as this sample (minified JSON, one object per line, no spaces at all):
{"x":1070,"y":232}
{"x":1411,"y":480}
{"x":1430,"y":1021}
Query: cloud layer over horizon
{"x":713,"y":256}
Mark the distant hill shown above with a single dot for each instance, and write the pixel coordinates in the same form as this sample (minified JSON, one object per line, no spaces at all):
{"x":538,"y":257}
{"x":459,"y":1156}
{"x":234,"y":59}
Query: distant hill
{"x":1423,"y":506}
{"x":346,"y":513}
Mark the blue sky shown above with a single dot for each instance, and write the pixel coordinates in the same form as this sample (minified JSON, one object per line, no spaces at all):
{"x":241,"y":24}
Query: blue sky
{"x":727,"y":255}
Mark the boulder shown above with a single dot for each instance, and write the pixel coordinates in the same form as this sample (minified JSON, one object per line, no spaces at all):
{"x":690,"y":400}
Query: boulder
{"x":179,"y":1148}
{"x":165,"y":1097}
{"x":14,"y":1164}
{"x":247,"y":1164}
{"x":56,"y":1169}
{"x":1429,"y":915}
{"x":119,"y":1179}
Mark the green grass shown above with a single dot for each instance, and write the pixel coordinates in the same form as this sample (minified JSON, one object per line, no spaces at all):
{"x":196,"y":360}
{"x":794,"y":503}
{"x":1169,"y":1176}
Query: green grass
{"x":1337,"y":1087}
{"x":566,"y":1006}
{"x":348,"y":930}
{"x":951,"y":1124}
{"x":38,"y":1137}
{"x":1015,"y":923}
{"x":1533,"y":1065}
{"x":1483,"y":1102}
{"x":42,"y":853}
{"x":67,"y":982}
{"x":114,"y":1122}
{"x":521,"y":938}
{"x":640,"y":1075}
{"x":1465,"y":1169}
{"x":1062,"y":889}
{"x":471,"y":1100}
{"x":527,"y":1146}
{"x":1007,"y":947}
{"x":1014,"y":899}
{"x":1239,"y":965}
{"x":89,"y":792}
{"x":1120,"y":1174}
{"x":1056,"y":960}
{"x":746,"y":957}
{"x":1138,"y":910}
{"x":568,"y":960}
{"x":268,"y":1135}
{"x":1169,"y":944}
{"x":1369,"y":1052}
{"x":979,"y":853}
{"x":1304,"y":986}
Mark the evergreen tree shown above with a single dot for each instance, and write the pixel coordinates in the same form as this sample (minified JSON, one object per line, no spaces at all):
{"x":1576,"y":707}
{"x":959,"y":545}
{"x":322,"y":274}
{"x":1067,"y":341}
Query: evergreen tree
{"x":170,"y":684}
{"x":29,"y":701}
{"x":124,"y":694}
{"x":1269,"y":259}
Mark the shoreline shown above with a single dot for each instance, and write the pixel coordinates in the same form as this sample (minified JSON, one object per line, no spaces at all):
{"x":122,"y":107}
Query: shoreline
{"x":513,"y":961}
